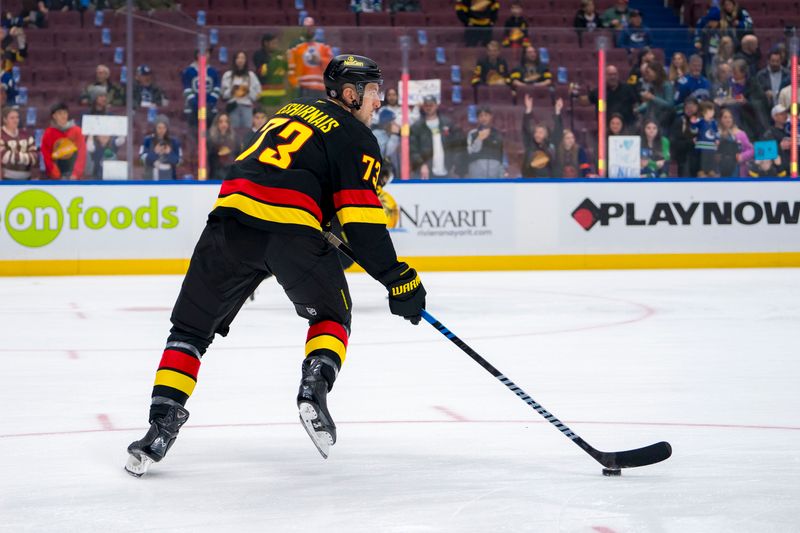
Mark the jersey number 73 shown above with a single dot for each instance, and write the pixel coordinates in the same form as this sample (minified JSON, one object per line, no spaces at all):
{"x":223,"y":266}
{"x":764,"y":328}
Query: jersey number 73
{"x":296,"y":135}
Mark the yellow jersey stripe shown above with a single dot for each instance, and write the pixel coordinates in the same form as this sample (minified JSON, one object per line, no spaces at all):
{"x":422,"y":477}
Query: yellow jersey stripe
{"x":369,"y":215}
{"x":328,"y":342}
{"x":176,"y":380}
{"x":270,"y":213}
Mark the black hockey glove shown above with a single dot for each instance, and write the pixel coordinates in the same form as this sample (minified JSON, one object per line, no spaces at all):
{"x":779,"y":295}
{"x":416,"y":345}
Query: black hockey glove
{"x":406,"y":293}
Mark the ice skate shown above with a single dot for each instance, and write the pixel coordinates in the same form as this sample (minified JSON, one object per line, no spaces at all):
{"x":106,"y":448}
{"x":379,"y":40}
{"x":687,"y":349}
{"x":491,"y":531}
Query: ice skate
{"x":313,"y":405}
{"x":156,"y":443}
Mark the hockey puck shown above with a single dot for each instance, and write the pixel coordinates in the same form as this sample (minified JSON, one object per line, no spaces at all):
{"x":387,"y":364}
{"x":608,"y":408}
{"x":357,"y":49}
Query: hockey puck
{"x":612,"y":472}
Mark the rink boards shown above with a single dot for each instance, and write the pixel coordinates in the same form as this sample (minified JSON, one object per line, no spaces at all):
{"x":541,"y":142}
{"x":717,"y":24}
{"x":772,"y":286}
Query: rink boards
{"x":130,"y":228}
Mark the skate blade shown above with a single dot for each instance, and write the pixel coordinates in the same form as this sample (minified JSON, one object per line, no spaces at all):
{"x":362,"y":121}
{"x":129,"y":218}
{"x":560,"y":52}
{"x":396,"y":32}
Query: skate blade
{"x":321,"y":439}
{"x":138,"y":466}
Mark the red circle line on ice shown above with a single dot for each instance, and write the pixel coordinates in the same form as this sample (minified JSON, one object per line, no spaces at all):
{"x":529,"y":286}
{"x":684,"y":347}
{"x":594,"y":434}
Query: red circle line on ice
{"x":388,"y":422}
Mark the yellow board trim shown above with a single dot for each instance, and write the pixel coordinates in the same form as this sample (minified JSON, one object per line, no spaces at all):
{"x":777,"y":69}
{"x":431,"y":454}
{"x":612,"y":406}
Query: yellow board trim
{"x":97,"y":267}
{"x":327,"y":342}
{"x":368,"y":215}
{"x":271,"y":213}
{"x":176,"y":380}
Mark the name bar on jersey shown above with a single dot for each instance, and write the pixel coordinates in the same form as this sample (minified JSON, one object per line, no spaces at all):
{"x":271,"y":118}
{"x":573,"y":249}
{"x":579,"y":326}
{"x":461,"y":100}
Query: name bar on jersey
{"x":311,"y":115}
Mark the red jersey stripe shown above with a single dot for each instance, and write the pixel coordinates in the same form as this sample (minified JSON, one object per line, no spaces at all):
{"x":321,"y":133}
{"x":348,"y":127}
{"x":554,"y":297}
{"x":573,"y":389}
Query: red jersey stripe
{"x":328,"y":327}
{"x":180,"y":361}
{"x":355,"y":197}
{"x":272,"y":195}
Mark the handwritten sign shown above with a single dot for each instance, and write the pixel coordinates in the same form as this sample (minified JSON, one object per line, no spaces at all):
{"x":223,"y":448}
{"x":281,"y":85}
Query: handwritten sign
{"x":419,"y":89}
{"x":624,"y":156}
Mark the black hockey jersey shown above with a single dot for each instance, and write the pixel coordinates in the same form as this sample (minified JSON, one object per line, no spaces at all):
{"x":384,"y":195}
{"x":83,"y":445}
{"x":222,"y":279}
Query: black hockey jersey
{"x":312,"y":160}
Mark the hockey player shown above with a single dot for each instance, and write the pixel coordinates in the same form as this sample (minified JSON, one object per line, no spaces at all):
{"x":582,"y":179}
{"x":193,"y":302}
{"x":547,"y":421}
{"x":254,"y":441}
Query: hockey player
{"x":315,"y":158}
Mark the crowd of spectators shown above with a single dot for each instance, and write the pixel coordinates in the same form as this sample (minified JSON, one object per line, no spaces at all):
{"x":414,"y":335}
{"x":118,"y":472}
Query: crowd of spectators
{"x":700,"y":116}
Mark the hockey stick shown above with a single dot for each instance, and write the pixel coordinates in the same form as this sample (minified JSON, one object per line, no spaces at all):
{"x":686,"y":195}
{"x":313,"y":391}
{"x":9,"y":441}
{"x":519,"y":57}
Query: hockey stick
{"x":612,"y":461}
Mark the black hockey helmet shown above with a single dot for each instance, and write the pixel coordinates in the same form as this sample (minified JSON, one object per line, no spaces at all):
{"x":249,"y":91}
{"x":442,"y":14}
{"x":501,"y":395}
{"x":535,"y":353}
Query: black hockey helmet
{"x":356,"y":70}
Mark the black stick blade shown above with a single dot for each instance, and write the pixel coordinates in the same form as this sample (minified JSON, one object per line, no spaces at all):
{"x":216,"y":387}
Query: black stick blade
{"x":655,"y":453}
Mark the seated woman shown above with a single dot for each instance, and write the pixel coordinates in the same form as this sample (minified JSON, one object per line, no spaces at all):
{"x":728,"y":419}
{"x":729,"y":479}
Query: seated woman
{"x":655,"y":151}
{"x":160,"y":152}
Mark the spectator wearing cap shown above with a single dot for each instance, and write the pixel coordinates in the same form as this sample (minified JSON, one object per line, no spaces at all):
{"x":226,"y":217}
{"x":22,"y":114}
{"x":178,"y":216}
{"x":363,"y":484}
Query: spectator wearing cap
{"x":774,"y":77}
{"x":616,"y":16}
{"x":115,"y":93}
{"x":436,"y":145}
{"x":478,"y":18}
{"x":146,"y":93}
{"x":307,"y":61}
{"x":485,"y":148}
{"x":693,"y":84}
{"x":98,"y":101}
{"x":18,"y":152}
{"x":63,"y":147}
{"x":750,"y":102}
{"x":708,"y":35}
{"x":272,"y":68}
{"x":240,"y":90}
{"x":635,"y":35}
{"x":778,"y":133}
{"x":387,"y":133}
{"x":160,"y":152}
{"x":190,"y":78}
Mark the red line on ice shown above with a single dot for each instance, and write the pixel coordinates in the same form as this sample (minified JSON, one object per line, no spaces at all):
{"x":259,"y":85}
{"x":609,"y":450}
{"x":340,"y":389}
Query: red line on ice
{"x":452,"y":414}
{"x":367,"y":422}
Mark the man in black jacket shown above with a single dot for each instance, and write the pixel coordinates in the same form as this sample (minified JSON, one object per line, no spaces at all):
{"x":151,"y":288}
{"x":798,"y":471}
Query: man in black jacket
{"x":436,"y":146}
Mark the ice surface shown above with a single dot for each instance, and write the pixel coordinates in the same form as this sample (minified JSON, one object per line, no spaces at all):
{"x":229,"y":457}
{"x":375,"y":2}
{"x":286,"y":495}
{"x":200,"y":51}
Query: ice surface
{"x":428,"y":440}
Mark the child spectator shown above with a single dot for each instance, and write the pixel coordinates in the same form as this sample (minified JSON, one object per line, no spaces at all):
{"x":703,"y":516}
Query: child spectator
{"x":515,"y":34}
{"x":160,"y":152}
{"x":146,"y":93}
{"x":654,"y":151}
{"x":222,"y":146}
{"x":100,"y":148}
{"x":491,"y":69}
{"x":485,"y":148}
{"x":735,"y":149}
{"x":478,"y":17}
{"x":115,"y":93}
{"x":387,"y":133}
{"x":586,"y":19}
{"x":531,"y":71}
{"x":272,"y":68}
{"x":18,"y":152}
{"x":678,"y":66}
{"x":63,"y":147}
{"x":190,"y":78}
{"x":769,"y":168}
{"x":539,"y":152}
{"x":708,"y":36}
{"x":706,"y":141}
{"x":681,"y":138}
{"x":635,"y":35}
{"x":240,"y":91}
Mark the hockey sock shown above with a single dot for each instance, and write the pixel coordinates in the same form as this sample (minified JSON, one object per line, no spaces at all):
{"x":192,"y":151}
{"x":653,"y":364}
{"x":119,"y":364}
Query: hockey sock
{"x":327,"y":340}
{"x":176,"y":377}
